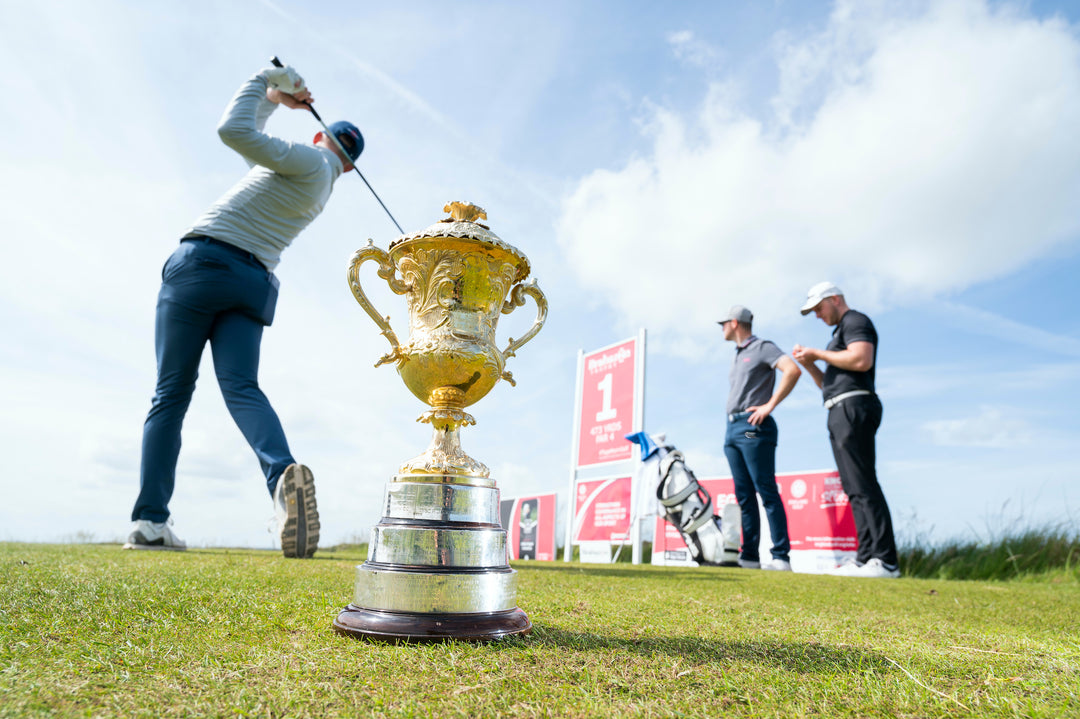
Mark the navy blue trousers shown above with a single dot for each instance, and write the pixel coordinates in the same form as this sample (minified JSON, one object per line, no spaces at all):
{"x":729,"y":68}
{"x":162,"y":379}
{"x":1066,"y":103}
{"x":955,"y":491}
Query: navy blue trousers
{"x":751,"y":455}
{"x":223,"y":296}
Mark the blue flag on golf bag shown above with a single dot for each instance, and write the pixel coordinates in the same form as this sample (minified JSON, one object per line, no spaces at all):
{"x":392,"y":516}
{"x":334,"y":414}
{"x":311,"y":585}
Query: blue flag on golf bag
{"x":687,"y":506}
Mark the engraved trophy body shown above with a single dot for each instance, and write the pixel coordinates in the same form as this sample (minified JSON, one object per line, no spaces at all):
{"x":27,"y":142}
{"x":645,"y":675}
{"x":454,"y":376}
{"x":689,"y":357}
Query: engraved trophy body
{"x":437,"y":564}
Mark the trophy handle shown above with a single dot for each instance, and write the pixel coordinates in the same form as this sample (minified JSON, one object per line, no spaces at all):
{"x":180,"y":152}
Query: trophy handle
{"x":386,"y":271}
{"x":515,"y":300}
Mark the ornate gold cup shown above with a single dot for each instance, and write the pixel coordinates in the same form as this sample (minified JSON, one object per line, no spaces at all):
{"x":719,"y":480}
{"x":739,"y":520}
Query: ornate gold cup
{"x":437,"y":562}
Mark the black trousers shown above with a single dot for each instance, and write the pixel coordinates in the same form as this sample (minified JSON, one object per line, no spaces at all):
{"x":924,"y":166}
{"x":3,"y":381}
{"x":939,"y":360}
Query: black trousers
{"x":853,"y":424}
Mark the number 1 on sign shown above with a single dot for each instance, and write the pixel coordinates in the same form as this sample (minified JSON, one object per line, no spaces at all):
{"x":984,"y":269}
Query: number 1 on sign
{"x":608,"y":412}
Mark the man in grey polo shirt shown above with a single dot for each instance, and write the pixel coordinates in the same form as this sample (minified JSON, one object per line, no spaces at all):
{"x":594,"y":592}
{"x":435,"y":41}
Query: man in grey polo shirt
{"x":847,"y":384}
{"x":750,"y":442}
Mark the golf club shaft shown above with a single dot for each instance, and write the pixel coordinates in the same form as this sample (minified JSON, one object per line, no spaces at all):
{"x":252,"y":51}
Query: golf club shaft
{"x":333,"y":138}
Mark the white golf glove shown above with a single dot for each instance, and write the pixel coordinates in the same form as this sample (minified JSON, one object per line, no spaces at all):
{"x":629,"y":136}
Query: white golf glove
{"x":285,"y":79}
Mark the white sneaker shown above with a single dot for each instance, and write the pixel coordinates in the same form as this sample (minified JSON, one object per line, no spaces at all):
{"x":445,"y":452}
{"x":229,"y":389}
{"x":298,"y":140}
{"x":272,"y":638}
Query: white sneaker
{"x":296,"y":512}
{"x":777,"y":565}
{"x":749,"y":564}
{"x":877,"y":568}
{"x":850,"y":568}
{"x":154,"y":535}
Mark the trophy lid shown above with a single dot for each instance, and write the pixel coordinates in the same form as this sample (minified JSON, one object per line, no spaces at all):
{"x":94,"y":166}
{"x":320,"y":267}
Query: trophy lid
{"x":464,"y":223}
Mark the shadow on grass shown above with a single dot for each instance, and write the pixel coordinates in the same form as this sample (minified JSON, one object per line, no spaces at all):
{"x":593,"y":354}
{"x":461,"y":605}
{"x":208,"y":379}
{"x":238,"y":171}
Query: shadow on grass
{"x":799,"y":657}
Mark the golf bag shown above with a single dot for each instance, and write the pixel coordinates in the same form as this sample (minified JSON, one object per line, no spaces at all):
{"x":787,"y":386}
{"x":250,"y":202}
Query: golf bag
{"x":688,"y":507}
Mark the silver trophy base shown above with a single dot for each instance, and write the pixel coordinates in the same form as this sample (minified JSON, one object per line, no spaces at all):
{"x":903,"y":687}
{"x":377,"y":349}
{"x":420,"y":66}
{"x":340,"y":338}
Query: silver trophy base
{"x":437,"y":567}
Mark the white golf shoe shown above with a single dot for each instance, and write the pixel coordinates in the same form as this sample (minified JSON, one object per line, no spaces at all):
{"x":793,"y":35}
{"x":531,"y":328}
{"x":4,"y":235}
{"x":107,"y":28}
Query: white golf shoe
{"x":749,"y":564}
{"x":296,"y":514}
{"x":849,"y":568}
{"x":878,"y":569}
{"x":154,"y":535}
{"x":777,"y":565}
{"x":873,"y":568}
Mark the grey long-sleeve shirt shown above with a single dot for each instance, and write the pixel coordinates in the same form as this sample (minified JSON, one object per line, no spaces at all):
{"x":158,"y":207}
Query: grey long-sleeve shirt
{"x":285,"y":190}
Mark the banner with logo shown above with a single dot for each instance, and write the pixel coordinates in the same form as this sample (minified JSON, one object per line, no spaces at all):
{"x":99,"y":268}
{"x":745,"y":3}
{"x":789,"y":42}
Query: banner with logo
{"x":602,"y":510}
{"x":530,"y":527}
{"x":820,"y":524}
{"x":607,"y":410}
{"x":818,"y":514}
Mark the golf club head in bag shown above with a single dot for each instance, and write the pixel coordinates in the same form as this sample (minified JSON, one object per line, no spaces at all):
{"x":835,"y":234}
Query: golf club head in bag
{"x":687,"y":506}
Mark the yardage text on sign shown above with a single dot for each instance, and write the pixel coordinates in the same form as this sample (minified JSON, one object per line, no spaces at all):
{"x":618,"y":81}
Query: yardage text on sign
{"x":607,"y":405}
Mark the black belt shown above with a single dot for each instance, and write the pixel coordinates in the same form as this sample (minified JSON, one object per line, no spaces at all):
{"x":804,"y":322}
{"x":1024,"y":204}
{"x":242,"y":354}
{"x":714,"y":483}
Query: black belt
{"x":232,"y":248}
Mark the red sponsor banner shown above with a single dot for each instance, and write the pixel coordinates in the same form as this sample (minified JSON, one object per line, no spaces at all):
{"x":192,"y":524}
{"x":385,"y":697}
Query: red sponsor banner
{"x":607,"y":404}
{"x":530,"y":527}
{"x":602,"y":510}
{"x":818,"y":515}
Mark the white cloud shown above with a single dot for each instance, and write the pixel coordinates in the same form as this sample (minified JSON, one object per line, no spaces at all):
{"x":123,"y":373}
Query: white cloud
{"x":928,"y":382}
{"x":911,"y":155}
{"x":977,"y":497}
{"x":991,"y":428}
{"x":693,"y":50}
{"x":994,"y":325}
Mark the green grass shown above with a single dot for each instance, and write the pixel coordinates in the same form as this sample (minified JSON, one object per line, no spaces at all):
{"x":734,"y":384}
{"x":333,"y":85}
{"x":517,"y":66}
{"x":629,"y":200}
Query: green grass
{"x":1024,"y":553}
{"x":90,"y":630}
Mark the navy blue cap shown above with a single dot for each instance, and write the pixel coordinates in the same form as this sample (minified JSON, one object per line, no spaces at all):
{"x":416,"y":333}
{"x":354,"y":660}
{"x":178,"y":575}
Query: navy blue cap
{"x":349,"y":137}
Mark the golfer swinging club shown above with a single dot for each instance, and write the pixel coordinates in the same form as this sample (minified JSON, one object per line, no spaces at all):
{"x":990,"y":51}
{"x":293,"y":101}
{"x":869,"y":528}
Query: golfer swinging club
{"x":219,"y":287}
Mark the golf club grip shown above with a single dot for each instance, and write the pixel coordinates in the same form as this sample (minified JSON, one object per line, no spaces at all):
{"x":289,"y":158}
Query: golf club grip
{"x":277,"y":63}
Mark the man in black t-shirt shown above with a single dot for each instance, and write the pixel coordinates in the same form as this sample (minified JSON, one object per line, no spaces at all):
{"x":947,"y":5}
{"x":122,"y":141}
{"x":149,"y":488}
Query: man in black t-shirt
{"x":847,"y":384}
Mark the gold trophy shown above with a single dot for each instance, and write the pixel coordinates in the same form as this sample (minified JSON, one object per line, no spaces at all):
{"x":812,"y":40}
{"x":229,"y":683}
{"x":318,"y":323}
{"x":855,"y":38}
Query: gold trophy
{"x":437,"y":565}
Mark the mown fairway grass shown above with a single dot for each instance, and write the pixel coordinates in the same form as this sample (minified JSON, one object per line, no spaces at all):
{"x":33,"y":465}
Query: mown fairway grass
{"x":90,"y":630}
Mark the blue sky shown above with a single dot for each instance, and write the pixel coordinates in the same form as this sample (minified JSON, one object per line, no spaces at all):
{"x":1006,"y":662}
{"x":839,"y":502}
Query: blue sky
{"x":656,"y":162}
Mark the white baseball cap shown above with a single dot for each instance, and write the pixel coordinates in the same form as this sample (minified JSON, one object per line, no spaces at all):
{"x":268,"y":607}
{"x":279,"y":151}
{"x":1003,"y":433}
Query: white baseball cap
{"x":819,"y":292}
